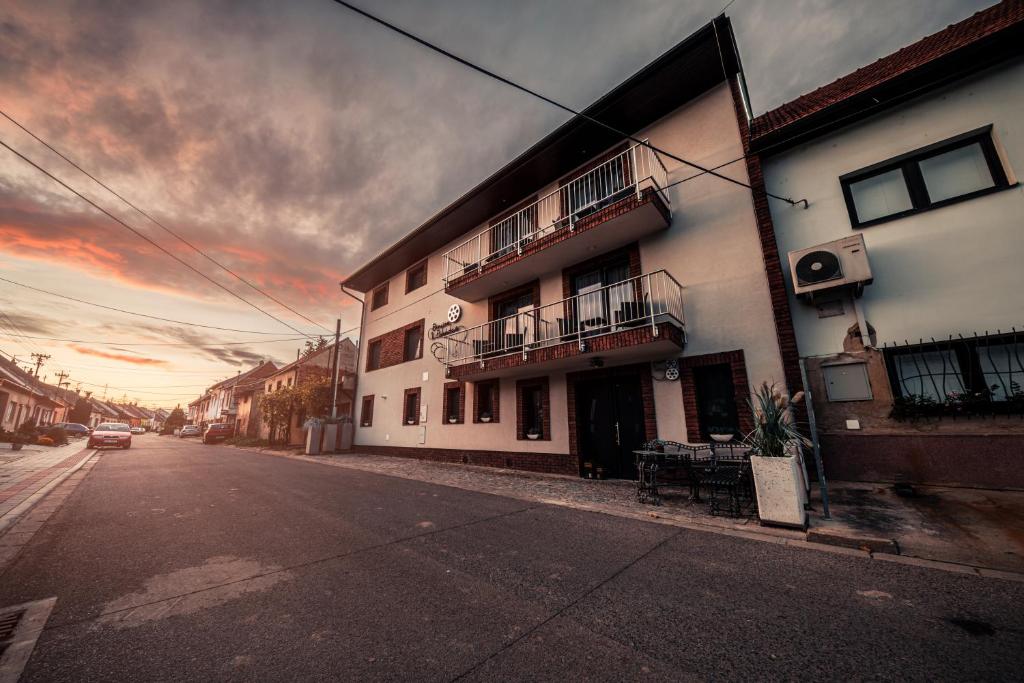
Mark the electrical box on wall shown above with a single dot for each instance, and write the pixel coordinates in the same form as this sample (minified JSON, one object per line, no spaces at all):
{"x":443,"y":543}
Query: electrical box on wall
{"x":847,"y":381}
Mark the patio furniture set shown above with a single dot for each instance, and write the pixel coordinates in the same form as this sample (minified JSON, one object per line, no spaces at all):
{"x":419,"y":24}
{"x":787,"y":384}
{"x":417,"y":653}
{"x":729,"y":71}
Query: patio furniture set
{"x":722,"y":470}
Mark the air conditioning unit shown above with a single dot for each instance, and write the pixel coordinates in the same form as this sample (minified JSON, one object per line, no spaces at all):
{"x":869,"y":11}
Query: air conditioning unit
{"x":842,"y":263}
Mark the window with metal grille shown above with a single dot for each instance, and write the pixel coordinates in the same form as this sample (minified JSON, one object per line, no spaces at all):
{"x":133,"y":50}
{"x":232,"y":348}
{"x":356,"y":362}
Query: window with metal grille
{"x":975,"y":370}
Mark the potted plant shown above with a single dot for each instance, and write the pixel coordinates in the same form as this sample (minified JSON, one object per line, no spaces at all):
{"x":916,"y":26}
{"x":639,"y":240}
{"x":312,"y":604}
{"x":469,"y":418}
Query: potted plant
{"x":533,"y":433}
{"x":775,"y":443}
{"x":720,"y":434}
{"x":452,"y":420}
{"x":485,"y":416}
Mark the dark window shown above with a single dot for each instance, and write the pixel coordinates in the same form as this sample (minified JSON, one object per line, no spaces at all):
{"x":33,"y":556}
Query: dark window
{"x":416,"y":277}
{"x":366,"y":416}
{"x":947,"y":172}
{"x":411,"y":410}
{"x":716,"y":400}
{"x":452,"y":404}
{"x":532,"y":403}
{"x":486,"y":402}
{"x":413,"y":346}
{"x":380,"y":297}
{"x":373,"y":355}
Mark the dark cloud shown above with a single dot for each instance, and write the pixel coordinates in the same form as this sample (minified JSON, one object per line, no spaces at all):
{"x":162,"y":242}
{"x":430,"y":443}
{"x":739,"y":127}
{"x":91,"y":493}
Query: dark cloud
{"x":294,"y":140}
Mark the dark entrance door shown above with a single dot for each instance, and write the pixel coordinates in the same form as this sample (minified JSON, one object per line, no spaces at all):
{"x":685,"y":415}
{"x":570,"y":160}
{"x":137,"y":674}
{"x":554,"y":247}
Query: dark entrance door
{"x":716,"y":400}
{"x":610,"y":423}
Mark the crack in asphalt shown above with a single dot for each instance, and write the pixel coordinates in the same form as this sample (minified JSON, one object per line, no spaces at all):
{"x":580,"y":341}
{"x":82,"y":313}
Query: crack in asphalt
{"x":300,"y":565}
{"x":572,"y":603}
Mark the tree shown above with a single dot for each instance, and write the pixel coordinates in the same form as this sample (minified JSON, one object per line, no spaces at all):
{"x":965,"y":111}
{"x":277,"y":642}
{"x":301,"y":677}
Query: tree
{"x":311,"y":397}
{"x":82,"y":410}
{"x":174,"y":421}
{"x":313,"y":347}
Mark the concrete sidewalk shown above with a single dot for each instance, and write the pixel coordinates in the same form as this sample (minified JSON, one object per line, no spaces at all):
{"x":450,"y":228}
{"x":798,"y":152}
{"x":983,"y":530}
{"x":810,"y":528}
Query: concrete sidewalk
{"x":26,"y":475}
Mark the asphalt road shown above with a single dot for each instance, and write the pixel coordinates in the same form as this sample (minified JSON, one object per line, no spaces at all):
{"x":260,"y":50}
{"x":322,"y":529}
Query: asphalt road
{"x":175,"y":561}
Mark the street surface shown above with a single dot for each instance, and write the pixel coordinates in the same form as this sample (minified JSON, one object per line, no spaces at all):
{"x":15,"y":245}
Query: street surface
{"x":178,"y":561}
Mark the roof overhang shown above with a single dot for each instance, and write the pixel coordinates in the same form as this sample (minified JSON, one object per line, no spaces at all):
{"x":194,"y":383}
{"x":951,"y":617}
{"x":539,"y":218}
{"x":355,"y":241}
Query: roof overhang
{"x":982,"y":54}
{"x":691,"y":68}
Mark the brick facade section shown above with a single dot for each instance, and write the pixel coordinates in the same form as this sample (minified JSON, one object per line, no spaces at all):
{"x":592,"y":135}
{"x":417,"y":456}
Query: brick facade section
{"x":740,"y":384}
{"x":594,"y":220}
{"x":646,"y":395}
{"x":545,"y":408}
{"x":366,"y":411}
{"x":617,"y":340}
{"x":448,"y":386}
{"x":551,"y":463}
{"x":392,"y":350}
{"x":784,"y":332}
{"x":495,"y":400}
{"x":414,"y":391}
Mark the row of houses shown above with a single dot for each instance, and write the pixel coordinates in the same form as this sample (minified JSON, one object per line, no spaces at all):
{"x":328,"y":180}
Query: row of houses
{"x":24,"y":397}
{"x":237,"y":400}
{"x":636,"y":278}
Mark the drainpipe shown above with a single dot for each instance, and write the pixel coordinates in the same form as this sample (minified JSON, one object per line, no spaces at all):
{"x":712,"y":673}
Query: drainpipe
{"x":355,"y":379}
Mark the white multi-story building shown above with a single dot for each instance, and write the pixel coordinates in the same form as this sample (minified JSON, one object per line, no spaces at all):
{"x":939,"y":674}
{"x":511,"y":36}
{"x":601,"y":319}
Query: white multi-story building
{"x":593,"y":294}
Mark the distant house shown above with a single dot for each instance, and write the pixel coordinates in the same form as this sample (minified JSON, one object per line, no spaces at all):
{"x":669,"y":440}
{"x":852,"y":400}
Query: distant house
{"x":218,"y":403}
{"x":23,"y":397}
{"x":103,"y":412}
{"x":307,"y":369}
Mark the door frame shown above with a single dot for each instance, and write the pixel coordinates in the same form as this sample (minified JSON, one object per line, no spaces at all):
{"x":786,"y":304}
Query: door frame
{"x":640,"y":370}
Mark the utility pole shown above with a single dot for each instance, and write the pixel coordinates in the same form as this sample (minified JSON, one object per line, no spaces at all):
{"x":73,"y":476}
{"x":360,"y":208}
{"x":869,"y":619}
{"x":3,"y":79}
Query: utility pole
{"x":334,"y":370}
{"x":40,"y":358}
{"x":61,"y":376}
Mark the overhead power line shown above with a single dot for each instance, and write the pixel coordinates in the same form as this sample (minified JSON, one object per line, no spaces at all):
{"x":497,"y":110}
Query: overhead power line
{"x":156,"y":222}
{"x":193,"y":344}
{"x":141,"y":315}
{"x":522,"y":88}
{"x":147,"y":239}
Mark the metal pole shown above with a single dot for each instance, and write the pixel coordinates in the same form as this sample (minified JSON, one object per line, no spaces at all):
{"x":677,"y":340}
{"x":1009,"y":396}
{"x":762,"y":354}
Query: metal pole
{"x":822,"y":484}
{"x":334,"y":372}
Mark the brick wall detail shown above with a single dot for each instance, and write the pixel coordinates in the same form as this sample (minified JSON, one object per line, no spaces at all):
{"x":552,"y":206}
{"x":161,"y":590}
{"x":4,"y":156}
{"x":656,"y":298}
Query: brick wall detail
{"x":393,"y":345}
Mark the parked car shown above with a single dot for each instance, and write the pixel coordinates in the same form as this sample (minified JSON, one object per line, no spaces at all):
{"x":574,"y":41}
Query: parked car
{"x":138,"y":430}
{"x":189,"y":430}
{"x":218,"y":431}
{"x":74,"y":428}
{"x":111,"y":434}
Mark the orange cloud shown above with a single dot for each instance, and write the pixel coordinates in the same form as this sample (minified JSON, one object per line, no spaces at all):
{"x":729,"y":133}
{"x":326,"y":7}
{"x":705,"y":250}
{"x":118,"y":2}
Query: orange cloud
{"x":125,"y":358}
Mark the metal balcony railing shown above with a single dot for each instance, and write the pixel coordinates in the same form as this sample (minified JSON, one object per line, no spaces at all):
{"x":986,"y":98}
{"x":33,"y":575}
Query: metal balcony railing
{"x":629,"y":172}
{"x":644,"y":300}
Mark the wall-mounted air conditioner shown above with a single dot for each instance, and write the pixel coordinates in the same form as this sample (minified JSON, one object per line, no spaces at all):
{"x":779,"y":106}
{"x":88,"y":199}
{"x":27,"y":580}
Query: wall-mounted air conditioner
{"x":841,"y":263}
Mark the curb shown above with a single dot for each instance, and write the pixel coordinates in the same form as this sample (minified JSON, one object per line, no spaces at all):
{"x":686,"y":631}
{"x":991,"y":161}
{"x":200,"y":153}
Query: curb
{"x":15,"y":514}
{"x":886,"y":550}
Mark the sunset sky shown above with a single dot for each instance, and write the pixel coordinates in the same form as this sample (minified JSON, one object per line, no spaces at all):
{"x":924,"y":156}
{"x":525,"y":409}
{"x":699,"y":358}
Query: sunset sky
{"x":293,"y":140}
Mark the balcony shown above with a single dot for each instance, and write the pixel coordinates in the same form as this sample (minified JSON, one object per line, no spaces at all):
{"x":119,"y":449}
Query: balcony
{"x":637,"y":319}
{"x":611,"y":205}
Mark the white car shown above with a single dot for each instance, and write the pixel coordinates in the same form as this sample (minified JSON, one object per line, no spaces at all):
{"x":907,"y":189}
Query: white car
{"x":189,"y":430}
{"x":138,"y":430}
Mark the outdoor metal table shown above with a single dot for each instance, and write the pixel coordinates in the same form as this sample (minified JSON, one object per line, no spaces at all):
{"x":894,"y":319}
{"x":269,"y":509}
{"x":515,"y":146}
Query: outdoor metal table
{"x":664,"y":463}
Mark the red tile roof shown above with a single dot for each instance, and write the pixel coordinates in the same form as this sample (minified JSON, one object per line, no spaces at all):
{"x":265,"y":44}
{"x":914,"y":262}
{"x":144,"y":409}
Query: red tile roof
{"x":950,"y":39}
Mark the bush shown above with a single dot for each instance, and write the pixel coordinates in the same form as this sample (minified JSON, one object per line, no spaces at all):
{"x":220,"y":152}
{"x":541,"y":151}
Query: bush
{"x":58,"y":435}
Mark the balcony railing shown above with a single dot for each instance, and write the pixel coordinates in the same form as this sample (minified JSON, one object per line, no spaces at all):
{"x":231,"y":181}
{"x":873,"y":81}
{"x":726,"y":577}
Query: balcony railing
{"x":644,"y":300}
{"x":627,"y":173}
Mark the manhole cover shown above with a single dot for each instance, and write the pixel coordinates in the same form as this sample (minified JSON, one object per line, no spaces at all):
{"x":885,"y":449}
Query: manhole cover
{"x":20,"y":627}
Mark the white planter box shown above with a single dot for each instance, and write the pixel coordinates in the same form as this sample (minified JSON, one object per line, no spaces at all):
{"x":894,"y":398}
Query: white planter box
{"x":780,"y":492}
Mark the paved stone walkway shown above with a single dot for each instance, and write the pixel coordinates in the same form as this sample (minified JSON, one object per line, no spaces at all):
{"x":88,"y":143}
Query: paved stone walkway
{"x":24,"y":473}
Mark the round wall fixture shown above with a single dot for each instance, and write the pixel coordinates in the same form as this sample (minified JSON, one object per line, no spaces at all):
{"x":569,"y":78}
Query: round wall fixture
{"x":454,"y":313}
{"x":672,"y":373}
